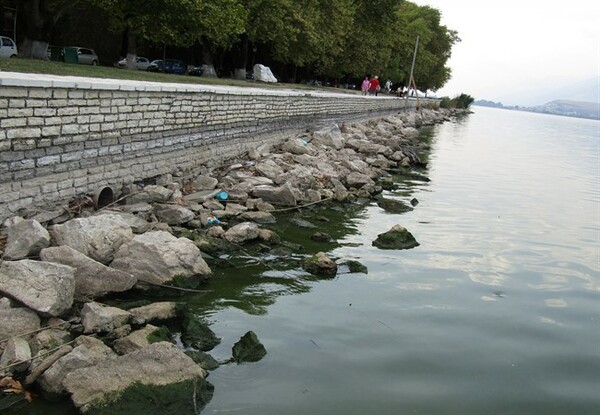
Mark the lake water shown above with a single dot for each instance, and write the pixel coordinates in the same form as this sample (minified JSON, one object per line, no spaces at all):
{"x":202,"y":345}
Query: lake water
{"x":496,"y":312}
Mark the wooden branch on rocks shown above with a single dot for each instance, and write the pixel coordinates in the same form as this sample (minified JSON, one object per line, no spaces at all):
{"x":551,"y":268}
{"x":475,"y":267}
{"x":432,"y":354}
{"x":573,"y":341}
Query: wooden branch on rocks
{"x":42,"y":367}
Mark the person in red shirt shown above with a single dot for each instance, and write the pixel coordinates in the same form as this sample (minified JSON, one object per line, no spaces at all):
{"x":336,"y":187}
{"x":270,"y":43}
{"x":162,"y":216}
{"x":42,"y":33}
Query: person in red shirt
{"x":374,"y":85}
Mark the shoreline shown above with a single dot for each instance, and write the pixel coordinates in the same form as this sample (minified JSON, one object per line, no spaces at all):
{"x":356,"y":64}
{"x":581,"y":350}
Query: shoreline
{"x":155,"y":221}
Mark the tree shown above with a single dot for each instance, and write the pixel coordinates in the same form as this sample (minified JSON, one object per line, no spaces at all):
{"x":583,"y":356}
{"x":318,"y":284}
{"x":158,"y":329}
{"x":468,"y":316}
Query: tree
{"x":40,"y":18}
{"x":435,"y":46}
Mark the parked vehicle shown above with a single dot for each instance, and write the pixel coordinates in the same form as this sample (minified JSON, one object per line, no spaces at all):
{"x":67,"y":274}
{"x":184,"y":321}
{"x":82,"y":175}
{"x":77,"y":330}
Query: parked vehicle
{"x":141,"y":63}
{"x":85,"y":56}
{"x":8,"y":48}
{"x":196,"y":71}
{"x":168,"y":66}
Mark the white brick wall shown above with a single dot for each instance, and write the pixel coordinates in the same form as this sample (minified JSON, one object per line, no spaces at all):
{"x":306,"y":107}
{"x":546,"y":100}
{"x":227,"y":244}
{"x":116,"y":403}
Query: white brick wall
{"x":93,"y":130}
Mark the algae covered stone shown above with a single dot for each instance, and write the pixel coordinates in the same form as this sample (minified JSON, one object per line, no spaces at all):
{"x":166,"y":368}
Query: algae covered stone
{"x":320,"y":264}
{"x":248,"y":349}
{"x":396,"y":238}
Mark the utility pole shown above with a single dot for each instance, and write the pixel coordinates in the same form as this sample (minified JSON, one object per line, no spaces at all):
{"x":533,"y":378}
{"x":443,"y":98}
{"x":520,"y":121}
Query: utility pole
{"x":412,"y":70}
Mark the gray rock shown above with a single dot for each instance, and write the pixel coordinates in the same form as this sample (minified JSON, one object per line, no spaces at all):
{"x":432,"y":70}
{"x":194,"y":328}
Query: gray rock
{"x":16,"y":350}
{"x":16,"y":321}
{"x":173,"y":214}
{"x":25,"y":238}
{"x":320,"y":264}
{"x":87,"y":352}
{"x":269,"y":169}
{"x":97,"y":237}
{"x":396,"y":238}
{"x":268,"y":236}
{"x":48,"y":339}
{"x":137,"y":208}
{"x":258,"y":181}
{"x":204,"y":183}
{"x":151,"y":194}
{"x":136,"y":340}
{"x":330,"y":137}
{"x":160,"y":311}
{"x":157,"y":365}
{"x":358,"y":180}
{"x":92,"y":279}
{"x":283,"y":195}
{"x":216,"y":232}
{"x":136,"y":223}
{"x":44,"y":287}
{"x":201,"y":196}
{"x":295,"y":146}
{"x":258,"y":217}
{"x":242,"y":232}
{"x":158,"y":257}
{"x":97,"y":318}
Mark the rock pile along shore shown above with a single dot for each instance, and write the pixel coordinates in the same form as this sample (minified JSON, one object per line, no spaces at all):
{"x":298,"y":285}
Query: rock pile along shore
{"x":57,"y":337}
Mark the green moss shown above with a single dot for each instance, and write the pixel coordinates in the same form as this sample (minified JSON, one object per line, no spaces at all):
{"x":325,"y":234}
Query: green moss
{"x":396,"y":238}
{"x":140,"y":399}
{"x":206,"y":361}
{"x":248,"y":349}
{"x":393,"y":206}
{"x":356,"y":267}
{"x":196,"y":333}
{"x":161,"y":334}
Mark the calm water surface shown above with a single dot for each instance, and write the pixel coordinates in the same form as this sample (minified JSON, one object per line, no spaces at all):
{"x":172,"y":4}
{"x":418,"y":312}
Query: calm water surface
{"x":497,"y":312}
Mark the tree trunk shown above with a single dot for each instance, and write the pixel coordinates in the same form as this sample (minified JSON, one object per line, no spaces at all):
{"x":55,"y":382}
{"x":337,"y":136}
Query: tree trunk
{"x":35,"y":45}
{"x":208,"y":69}
{"x":131,"y":49}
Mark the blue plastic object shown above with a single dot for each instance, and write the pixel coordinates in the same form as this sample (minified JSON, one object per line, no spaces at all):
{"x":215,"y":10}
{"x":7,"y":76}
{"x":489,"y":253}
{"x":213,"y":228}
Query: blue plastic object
{"x":222,"y":196}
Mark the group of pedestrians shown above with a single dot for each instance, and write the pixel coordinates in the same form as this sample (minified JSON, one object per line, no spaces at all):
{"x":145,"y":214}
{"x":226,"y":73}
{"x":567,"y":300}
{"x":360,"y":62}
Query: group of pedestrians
{"x":370,"y":86}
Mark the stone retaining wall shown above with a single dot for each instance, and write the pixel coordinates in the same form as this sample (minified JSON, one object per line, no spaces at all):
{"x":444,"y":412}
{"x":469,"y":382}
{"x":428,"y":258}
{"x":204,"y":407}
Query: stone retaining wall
{"x":64,"y":137}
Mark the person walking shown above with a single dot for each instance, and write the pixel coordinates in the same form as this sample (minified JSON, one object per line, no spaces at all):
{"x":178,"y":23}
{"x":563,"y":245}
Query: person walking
{"x":374,"y":85}
{"x":365,"y":85}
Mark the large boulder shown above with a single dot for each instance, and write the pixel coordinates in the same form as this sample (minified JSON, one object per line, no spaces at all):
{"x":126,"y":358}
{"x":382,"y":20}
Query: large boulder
{"x":159,"y":378}
{"x":97,"y":318}
{"x":160,"y":311}
{"x":92,"y":279}
{"x":263,"y":73}
{"x":16,"y":321}
{"x":283,"y":195}
{"x":97,"y":237}
{"x":138,"y":339}
{"x":269,"y":169}
{"x":330,"y":137}
{"x":245,"y":231}
{"x":158,"y":257}
{"x":25,"y":238}
{"x":16,"y":351}
{"x":173,"y":214}
{"x":396,"y":238}
{"x":137,"y":224}
{"x":45,"y":287}
{"x":88,"y":351}
{"x":320,"y":264}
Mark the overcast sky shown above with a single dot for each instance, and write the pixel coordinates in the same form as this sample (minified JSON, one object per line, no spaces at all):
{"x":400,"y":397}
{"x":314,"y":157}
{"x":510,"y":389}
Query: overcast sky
{"x":511,"y":50}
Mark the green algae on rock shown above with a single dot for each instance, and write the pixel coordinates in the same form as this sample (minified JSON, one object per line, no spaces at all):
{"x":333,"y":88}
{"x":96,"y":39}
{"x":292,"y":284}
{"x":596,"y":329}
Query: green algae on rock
{"x":248,"y":349}
{"x":320,"y":264}
{"x":396,"y":238}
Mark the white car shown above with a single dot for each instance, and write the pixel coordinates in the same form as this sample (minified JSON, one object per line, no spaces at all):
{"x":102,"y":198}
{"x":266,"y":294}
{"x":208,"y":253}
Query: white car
{"x":8,"y":48}
{"x":140,"y":63}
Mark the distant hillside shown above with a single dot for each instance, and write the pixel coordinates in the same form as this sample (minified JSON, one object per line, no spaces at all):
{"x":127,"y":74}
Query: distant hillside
{"x":570,"y":108}
{"x":563,"y":107}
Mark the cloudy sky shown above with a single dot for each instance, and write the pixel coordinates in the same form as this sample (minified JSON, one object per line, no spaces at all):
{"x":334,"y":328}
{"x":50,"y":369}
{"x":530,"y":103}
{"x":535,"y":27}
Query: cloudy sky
{"x":519,"y":51}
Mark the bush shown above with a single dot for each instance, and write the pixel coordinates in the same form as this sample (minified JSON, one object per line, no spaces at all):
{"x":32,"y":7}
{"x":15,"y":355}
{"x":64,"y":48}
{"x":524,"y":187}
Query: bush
{"x":463,"y":101}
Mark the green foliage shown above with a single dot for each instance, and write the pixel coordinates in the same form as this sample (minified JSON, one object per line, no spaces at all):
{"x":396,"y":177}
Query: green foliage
{"x":462,"y":101}
{"x":329,"y":38}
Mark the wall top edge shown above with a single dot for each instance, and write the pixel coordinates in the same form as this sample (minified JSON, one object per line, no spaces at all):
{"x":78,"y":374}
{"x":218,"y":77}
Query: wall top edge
{"x":30,"y":80}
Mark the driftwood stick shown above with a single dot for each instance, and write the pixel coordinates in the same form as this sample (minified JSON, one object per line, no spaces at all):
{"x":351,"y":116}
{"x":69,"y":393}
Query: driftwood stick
{"x":42,"y":367}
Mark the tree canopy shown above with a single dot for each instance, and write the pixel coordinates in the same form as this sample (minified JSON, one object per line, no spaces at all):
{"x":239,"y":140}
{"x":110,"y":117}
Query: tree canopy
{"x":320,"y":38}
